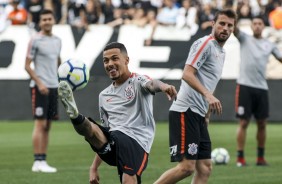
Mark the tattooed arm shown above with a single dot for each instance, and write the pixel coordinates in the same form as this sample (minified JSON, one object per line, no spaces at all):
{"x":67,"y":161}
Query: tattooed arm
{"x":155,"y":86}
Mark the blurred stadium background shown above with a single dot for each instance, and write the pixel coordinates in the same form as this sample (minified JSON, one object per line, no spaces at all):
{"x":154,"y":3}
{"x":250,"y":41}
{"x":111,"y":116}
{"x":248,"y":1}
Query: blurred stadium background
{"x":158,"y":45}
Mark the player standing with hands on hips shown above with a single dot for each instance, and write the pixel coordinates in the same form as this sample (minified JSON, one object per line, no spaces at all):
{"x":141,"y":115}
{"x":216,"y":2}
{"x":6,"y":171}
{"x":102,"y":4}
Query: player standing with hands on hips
{"x":44,"y":50}
{"x":125,"y":137}
{"x":252,"y":90}
{"x":190,"y":143}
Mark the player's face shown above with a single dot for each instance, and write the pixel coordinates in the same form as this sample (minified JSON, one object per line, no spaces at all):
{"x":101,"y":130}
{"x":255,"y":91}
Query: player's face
{"x":115,"y":63}
{"x":222,"y":28}
{"x":257,"y":27}
{"x":46,"y":22}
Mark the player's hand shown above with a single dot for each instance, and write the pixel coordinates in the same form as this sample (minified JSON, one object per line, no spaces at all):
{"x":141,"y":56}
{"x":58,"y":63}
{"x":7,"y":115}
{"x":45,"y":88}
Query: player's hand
{"x":170,"y":91}
{"x":94,"y":176}
{"x":43,"y":89}
{"x":214,"y":104}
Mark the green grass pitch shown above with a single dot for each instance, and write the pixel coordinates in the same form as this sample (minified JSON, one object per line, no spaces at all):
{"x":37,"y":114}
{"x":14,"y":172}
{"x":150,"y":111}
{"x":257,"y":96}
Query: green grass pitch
{"x":72,"y":156}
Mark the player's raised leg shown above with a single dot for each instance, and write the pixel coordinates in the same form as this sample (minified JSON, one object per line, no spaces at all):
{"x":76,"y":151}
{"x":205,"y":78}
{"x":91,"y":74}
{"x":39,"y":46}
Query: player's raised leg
{"x":83,"y":126}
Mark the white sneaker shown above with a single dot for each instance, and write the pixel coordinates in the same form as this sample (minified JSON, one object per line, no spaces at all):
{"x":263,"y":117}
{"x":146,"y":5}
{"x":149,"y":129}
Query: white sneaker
{"x":42,"y":166}
{"x":66,"y":96}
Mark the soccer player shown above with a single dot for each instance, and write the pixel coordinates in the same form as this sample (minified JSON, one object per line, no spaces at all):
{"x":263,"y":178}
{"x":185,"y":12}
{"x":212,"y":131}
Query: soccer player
{"x":125,"y":137}
{"x":44,"y":50}
{"x":252,"y":90}
{"x":190,"y":143}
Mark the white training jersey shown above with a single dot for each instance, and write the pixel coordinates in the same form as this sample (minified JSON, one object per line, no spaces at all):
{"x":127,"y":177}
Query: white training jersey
{"x":129,"y":108}
{"x":254,"y":58}
{"x":44,"y":51}
{"x":207,"y":56}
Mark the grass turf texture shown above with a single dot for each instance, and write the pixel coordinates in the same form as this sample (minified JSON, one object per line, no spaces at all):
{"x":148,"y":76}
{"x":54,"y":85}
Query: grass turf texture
{"x":72,"y":156}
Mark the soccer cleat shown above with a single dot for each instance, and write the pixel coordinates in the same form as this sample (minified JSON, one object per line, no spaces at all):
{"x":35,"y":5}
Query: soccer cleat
{"x":241,"y":162}
{"x":66,"y":96}
{"x":35,"y":166}
{"x":42,"y":166}
{"x":261,"y":162}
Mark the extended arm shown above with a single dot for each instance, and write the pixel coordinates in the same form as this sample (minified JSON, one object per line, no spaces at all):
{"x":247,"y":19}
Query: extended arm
{"x":276,"y":52}
{"x":189,"y":76}
{"x":157,"y":86}
{"x":93,"y":172}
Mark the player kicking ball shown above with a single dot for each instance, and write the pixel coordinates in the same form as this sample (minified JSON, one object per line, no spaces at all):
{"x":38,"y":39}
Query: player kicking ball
{"x":127,"y":129}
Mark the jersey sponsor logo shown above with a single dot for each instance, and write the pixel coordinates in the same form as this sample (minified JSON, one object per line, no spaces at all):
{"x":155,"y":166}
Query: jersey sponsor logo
{"x":142,"y":79}
{"x":193,"y":149}
{"x":204,"y":56}
{"x":241,"y":110}
{"x":129,"y":92}
{"x":199,"y":51}
{"x":173,"y":150}
{"x":195,"y":46}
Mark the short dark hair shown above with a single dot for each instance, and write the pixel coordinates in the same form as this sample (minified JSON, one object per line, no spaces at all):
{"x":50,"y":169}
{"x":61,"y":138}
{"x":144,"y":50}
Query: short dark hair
{"x":228,"y":12}
{"x":46,"y":11}
{"x":258,"y":17}
{"x":117,"y":45}
{"x":15,"y":1}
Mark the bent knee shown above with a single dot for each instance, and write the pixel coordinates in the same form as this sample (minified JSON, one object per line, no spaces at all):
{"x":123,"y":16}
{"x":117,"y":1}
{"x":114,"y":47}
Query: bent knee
{"x":186,"y":169}
{"x":205,"y":169}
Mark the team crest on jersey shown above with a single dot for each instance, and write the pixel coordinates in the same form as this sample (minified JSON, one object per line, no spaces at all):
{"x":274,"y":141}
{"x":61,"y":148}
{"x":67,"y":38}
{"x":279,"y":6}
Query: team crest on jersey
{"x":193,"y":149}
{"x":129,"y":92}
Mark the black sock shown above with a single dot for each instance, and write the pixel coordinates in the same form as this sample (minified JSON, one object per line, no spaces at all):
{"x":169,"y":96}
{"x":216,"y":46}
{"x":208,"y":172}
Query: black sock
{"x":240,"y":154}
{"x":39,"y":156}
{"x":260,"y":152}
{"x":78,"y":120}
{"x":43,"y":156}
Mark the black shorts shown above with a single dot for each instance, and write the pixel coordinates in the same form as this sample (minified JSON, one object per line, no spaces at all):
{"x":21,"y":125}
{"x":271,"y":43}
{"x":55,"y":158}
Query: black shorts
{"x":249,"y":100}
{"x":44,"y":106}
{"x":124,"y":152}
{"x":188,"y":136}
